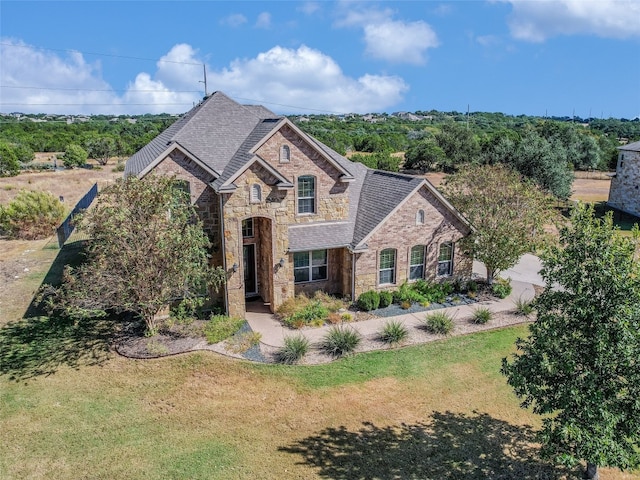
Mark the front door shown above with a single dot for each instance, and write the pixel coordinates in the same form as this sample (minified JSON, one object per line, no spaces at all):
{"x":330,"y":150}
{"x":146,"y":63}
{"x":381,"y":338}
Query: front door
{"x":250,"y":281}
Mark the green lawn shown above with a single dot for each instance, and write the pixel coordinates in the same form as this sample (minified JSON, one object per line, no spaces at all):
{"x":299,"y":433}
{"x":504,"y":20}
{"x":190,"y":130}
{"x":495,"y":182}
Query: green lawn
{"x":440,"y":410}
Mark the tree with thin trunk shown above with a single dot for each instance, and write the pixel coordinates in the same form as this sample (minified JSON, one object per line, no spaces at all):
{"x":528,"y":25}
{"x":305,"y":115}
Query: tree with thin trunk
{"x":147,"y":249}
{"x":507,"y":212}
{"x":580,"y":365}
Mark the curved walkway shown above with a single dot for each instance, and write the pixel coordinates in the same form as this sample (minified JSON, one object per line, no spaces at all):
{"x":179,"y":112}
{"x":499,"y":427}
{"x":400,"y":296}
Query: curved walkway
{"x":273,"y":332}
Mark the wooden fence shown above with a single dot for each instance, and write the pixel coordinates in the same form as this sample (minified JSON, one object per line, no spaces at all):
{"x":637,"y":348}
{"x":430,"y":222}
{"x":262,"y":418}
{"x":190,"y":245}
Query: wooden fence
{"x":66,"y":228}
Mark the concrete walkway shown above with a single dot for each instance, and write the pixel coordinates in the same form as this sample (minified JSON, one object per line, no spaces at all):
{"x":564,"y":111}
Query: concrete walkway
{"x":273,"y":332}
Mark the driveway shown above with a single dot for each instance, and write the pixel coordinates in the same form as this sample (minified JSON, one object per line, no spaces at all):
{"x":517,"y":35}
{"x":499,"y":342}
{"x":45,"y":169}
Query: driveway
{"x":526,"y":270}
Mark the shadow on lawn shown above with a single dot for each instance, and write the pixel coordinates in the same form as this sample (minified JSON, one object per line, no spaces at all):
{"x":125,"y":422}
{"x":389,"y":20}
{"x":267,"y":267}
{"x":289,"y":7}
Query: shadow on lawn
{"x":38,"y":344}
{"x":451,"y":446}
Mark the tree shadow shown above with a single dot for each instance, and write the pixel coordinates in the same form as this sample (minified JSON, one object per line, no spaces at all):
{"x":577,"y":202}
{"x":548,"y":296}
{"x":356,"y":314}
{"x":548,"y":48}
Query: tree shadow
{"x":450,"y":446}
{"x":38,"y":345}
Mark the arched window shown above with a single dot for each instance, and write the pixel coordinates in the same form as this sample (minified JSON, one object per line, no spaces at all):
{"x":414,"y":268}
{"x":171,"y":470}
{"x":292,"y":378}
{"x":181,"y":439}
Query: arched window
{"x":416,"y":263}
{"x":306,"y":194}
{"x":256,"y":193}
{"x":387,"y":266}
{"x":420,"y":217}
{"x":285,"y":154}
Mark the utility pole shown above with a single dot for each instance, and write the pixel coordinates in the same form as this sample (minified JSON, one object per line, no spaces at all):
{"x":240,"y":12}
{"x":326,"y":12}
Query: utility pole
{"x":204,"y":69}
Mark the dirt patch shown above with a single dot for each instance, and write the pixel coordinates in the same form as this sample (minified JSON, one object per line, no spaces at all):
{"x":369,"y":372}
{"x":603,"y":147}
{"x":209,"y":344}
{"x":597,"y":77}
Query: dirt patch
{"x":71,"y":185}
{"x":591,"y":190}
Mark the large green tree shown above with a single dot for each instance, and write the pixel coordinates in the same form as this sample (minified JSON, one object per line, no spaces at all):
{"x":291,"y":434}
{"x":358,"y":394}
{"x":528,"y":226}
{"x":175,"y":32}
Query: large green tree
{"x":147,"y":249}
{"x":507,"y":212}
{"x":580,"y":366}
{"x":101,"y":148}
{"x":9,"y":164}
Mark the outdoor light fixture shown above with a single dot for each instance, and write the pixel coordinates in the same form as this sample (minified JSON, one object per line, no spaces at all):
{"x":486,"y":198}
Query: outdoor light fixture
{"x":281,"y":262}
{"x":235,"y":267}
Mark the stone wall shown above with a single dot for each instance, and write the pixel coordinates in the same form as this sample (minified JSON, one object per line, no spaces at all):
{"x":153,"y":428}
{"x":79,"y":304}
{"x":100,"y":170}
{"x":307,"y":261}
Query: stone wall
{"x":332,"y":199}
{"x":624,"y":193}
{"x":401,"y":232}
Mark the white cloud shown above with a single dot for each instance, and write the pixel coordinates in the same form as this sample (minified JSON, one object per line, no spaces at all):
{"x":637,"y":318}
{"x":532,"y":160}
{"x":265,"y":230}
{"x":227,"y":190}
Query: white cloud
{"x":535,"y":21}
{"x":306,"y":80}
{"x":400,"y":42}
{"x":309,"y":8}
{"x":303,"y":79}
{"x":264,"y":20}
{"x":387,"y":39}
{"x":234,"y":20}
{"x":73,"y":86}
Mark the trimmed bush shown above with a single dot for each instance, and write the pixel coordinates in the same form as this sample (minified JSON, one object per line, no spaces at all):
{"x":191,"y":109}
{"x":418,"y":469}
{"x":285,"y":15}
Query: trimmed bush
{"x":439,"y":322}
{"x":369,"y":301}
{"x":482,"y":315}
{"x":501,"y":288}
{"x":295,"y":347}
{"x":472,"y":286}
{"x":393,"y":332}
{"x":31,"y":215}
{"x":340,"y":340}
{"x":221,"y":327}
{"x":386,"y":298}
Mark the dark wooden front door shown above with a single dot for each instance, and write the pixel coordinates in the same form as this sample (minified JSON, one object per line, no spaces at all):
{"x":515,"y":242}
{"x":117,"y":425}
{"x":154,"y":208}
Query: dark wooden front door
{"x":250,"y":281}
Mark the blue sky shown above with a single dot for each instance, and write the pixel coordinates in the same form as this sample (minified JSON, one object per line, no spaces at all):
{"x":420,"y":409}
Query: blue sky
{"x":554,"y":57}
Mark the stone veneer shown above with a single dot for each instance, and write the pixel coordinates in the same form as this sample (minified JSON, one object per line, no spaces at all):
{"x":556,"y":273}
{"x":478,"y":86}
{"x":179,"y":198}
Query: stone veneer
{"x":624,"y":192}
{"x":401,"y":233}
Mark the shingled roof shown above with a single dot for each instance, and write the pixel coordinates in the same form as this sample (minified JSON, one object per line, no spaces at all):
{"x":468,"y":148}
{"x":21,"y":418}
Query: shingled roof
{"x":221,"y":135}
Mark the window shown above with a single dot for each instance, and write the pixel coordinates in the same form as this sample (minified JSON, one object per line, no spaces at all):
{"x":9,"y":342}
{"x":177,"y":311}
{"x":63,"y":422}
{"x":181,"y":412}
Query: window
{"x":420,"y":217}
{"x":247,"y":228}
{"x":310,"y":266}
{"x":285,"y":154}
{"x":387,"y":266}
{"x":416,"y":263}
{"x":445,"y":259}
{"x":306,"y":194}
{"x":255,"y":196}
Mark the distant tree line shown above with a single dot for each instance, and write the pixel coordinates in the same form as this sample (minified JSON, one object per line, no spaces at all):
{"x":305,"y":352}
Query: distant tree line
{"x":545,"y":150}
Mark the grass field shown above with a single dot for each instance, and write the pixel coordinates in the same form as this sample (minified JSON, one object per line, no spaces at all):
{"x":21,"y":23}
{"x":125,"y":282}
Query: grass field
{"x":70,"y":408}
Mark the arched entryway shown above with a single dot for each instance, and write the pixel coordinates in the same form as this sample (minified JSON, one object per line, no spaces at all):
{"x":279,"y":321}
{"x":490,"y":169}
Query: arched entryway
{"x":257,"y":260}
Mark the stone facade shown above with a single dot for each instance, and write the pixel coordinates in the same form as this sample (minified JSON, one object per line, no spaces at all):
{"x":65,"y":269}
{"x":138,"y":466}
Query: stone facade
{"x":272,"y":210}
{"x":624,"y":192}
{"x":402,"y":232}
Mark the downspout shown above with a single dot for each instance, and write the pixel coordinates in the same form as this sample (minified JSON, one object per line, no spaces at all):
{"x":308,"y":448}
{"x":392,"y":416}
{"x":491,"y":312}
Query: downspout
{"x":224,"y":253}
{"x":353,"y":276}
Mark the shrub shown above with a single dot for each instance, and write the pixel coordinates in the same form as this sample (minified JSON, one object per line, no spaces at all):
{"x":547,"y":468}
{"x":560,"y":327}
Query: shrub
{"x":340,"y":341}
{"x":501,"y":288}
{"x":472,"y":286}
{"x":314,"y":313}
{"x":346,"y":317}
{"x":74,"y":156}
{"x":241,"y":342}
{"x":482,"y":315}
{"x":405,"y":305}
{"x":524,"y":307}
{"x":9,"y":163}
{"x":386,"y":298}
{"x":295,"y":347}
{"x":301,"y":310}
{"x":369,"y":300}
{"x":221,"y":327}
{"x":439,"y":322}
{"x":393,"y":332}
{"x":119,"y":167}
{"x":31,"y":215}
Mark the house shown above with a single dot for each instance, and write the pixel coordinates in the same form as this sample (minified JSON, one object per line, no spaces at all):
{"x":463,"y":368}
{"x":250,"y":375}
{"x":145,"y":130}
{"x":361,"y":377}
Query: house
{"x":286,"y":214}
{"x":624,"y":193}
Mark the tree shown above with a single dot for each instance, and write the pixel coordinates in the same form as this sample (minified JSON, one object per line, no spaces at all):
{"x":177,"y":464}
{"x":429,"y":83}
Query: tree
{"x":74,"y":156}
{"x":580,"y":366}
{"x":9,"y":164}
{"x":101,"y":148}
{"x":545,"y":163}
{"x":508,"y":214}
{"x":147,"y":249}
{"x":459,"y":145}
{"x":425,"y":156}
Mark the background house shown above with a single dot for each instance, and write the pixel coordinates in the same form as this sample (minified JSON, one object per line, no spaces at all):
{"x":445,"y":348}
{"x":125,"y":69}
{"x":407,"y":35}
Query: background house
{"x":624,"y":193}
{"x":286,"y":214}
